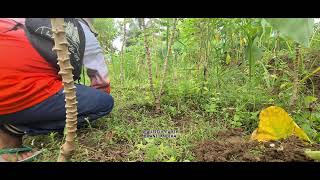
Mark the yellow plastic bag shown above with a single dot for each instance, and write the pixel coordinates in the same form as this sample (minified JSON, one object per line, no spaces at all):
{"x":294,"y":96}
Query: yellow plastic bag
{"x":274,"y":124}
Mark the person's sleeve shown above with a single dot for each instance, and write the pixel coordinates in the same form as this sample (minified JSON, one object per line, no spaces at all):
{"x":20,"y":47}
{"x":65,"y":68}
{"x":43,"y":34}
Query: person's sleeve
{"x":94,"y":62}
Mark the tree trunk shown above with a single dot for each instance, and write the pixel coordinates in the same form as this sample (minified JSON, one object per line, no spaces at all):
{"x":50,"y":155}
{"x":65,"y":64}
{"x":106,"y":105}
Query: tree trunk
{"x":165,"y":67}
{"x":148,"y":57}
{"x":61,"y":48}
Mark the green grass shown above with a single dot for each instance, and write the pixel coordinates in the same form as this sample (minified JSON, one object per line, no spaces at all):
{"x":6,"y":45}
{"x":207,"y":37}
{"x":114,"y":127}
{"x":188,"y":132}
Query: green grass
{"x":119,"y":136}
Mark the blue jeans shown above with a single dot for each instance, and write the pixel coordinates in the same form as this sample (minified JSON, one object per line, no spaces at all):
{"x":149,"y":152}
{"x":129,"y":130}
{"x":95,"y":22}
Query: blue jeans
{"x":49,"y":115}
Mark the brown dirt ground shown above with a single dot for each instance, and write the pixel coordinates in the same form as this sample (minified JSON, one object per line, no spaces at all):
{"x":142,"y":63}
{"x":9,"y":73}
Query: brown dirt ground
{"x":234,"y":146}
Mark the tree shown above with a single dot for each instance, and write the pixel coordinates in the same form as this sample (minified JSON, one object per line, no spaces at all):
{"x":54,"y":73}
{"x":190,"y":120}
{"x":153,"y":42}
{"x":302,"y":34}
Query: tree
{"x":107,"y":32}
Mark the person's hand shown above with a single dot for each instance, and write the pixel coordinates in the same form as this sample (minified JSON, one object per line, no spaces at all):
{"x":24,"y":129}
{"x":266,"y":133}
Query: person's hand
{"x":98,"y":82}
{"x":108,"y":89}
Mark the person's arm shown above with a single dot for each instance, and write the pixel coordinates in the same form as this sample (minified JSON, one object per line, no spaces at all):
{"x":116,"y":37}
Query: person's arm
{"x":97,"y":71}
{"x":94,"y":62}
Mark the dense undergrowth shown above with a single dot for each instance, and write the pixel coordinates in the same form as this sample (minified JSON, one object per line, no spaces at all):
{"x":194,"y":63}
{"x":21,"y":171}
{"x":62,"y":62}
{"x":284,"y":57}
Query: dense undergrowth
{"x":211,"y":85}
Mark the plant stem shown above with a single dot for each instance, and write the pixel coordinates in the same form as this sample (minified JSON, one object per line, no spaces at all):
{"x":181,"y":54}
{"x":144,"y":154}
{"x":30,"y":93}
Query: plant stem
{"x":158,"y":99}
{"x":294,"y":96}
{"x":122,"y":51}
{"x":61,"y":48}
{"x":148,"y":57}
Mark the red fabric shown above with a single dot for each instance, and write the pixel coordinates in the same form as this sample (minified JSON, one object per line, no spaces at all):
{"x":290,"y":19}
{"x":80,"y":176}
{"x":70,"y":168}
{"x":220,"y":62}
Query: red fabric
{"x":26,"y":79}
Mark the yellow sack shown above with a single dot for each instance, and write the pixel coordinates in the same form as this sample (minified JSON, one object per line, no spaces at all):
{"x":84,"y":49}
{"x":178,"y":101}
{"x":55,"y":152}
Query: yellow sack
{"x":274,"y":124}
